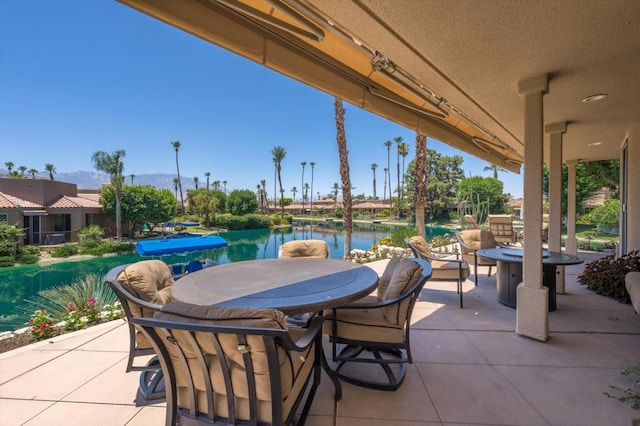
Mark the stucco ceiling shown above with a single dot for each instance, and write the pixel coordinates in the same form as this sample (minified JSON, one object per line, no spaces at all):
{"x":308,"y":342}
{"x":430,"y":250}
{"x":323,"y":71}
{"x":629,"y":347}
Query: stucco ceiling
{"x":462,"y":60}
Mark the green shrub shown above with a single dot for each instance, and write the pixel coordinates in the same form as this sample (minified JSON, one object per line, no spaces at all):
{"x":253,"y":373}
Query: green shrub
{"x":65,"y":250}
{"x":91,"y":232}
{"x":605,"y":276}
{"x":6,"y":261}
{"x":607,"y":214}
{"x":239,"y":223}
{"x":400,"y":233}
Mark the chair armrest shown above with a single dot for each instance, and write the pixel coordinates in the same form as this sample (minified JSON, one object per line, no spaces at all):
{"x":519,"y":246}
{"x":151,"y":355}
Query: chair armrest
{"x":463,"y":244}
{"x":314,"y":329}
{"x":456,"y":260}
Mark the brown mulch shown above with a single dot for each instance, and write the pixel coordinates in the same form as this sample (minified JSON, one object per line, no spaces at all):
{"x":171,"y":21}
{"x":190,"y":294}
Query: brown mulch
{"x":15,"y":342}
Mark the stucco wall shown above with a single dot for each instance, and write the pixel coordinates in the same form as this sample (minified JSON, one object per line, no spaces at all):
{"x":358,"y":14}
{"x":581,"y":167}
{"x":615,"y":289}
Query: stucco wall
{"x":633,"y":182}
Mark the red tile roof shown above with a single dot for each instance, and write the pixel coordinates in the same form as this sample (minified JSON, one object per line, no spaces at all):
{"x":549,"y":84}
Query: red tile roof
{"x":10,"y":202}
{"x":68,"y":202}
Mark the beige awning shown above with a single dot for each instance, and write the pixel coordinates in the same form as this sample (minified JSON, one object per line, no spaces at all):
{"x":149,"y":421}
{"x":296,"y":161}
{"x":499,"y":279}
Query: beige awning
{"x":300,"y":43}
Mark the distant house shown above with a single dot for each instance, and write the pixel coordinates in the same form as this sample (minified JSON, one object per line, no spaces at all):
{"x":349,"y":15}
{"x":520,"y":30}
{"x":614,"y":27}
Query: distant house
{"x":51,"y":212}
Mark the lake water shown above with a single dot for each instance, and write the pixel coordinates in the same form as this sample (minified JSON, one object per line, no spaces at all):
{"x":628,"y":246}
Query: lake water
{"x":21,"y":282}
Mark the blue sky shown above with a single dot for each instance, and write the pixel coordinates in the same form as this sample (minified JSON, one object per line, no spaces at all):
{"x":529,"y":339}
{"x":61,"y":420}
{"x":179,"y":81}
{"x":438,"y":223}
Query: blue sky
{"x":79,"y":76}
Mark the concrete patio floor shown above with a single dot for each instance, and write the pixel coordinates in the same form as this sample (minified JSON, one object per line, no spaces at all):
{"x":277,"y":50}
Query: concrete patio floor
{"x":470,"y":368}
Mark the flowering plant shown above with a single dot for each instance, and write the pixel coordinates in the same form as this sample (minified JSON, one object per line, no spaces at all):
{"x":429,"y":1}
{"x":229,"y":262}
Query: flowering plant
{"x":112,"y":312}
{"x":78,"y":318}
{"x":377,"y":253}
{"x":41,"y":325}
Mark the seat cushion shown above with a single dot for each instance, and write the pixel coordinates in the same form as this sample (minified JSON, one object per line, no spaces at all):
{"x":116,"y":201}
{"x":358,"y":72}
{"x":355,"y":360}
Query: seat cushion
{"x":149,"y":280}
{"x":405,"y":274}
{"x":448,"y":271}
{"x":294,"y":367}
{"x":383,"y":282}
{"x":305,"y":248}
{"x":421,"y":244}
{"x":369,"y":325}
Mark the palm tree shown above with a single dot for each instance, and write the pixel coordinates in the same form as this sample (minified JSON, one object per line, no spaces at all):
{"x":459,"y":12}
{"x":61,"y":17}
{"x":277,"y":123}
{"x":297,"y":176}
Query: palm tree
{"x":33,"y":172}
{"x":384,"y":197}
{"x":9,"y":166}
{"x":336,"y":189}
{"x":374,"y":166}
{"x":112,"y":165}
{"x":224,"y":182}
{"x":388,"y":145}
{"x":176,"y":145}
{"x":295,"y":191}
{"x":196,"y":180}
{"x":132,"y":176}
{"x":398,"y":141}
{"x":495,"y":169}
{"x":344,"y":173}
{"x":260,"y":199}
{"x":312,"y":164}
{"x":175,"y":186}
{"x":303,"y":164}
{"x":278,"y":154}
{"x":305,"y":195}
{"x":403,"y":148}
{"x":421,"y":187}
{"x":263,"y":183}
{"x":216,"y":185}
{"x":51,"y":169}
{"x":207,"y":174}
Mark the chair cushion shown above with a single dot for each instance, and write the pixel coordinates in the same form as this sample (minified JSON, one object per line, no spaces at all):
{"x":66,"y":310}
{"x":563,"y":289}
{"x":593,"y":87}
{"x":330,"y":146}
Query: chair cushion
{"x":478,"y":238}
{"x":148,"y":280}
{"x":305,"y":248}
{"x":421,"y":244}
{"x":294,"y":367}
{"x":369,"y":325}
{"x":383,"y":282}
{"x":448,"y":271}
{"x":405,"y":274}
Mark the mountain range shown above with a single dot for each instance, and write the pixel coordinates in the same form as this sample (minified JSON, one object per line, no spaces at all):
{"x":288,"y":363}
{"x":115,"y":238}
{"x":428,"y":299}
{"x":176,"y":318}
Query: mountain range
{"x":94,"y":180}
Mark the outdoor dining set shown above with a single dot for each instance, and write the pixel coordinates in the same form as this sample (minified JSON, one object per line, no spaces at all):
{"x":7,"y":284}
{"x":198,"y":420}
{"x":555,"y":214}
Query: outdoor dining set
{"x":243,"y":342}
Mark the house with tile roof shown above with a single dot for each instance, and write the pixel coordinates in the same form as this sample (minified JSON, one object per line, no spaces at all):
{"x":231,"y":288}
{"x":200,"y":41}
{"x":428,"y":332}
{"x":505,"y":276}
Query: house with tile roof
{"x":51,"y":212}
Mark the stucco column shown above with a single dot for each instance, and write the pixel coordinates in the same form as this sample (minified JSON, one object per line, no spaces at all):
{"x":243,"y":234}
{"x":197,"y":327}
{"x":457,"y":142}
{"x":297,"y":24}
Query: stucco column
{"x":555,"y":195}
{"x":532,"y":319}
{"x":633,"y":189}
{"x":571,"y":244}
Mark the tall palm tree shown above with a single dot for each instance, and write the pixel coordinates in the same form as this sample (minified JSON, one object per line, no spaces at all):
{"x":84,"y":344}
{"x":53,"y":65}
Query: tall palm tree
{"x":421,"y":184}
{"x":344,"y":173}
{"x":33,"y":172}
{"x":278,"y":154}
{"x":295,"y":191}
{"x":305,"y":194}
{"x":175,"y":186}
{"x":263,"y":183}
{"x":176,"y":145}
{"x":22,"y":170}
{"x":336,"y":190}
{"x":51,"y":169}
{"x":388,"y":145}
{"x":132,"y":176}
{"x":208,"y":175}
{"x":303,"y":164}
{"x":260,"y":199}
{"x":216,"y":185}
{"x":224,"y":182}
{"x":196,"y":181}
{"x":374,"y":166}
{"x":112,"y":165}
{"x":398,"y":141}
{"x":403,"y":149}
{"x":312,"y":164}
{"x":495,"y":169}
{"x":9,"y":166}
{"x":386,"y":171}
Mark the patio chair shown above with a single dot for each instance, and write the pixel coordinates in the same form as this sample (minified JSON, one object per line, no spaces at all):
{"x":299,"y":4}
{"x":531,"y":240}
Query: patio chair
{"x":304,"y":248}
{"x":501,"y":226}
{"x":473,"y":240}
{"x":142,"y":288}
{"x":375,"y":329}
{"x":234,"y":365}
{"x":445,"y":268}
{"x":309,"y":249}
{"x":470,"y":222}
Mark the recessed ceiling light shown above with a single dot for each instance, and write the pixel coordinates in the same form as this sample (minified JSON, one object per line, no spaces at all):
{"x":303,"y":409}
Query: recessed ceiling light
{"x":594,"y":144}
{"x":594,"y":98}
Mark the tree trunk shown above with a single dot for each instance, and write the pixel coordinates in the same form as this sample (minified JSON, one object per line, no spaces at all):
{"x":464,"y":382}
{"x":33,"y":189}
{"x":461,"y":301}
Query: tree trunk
{"x":344,"y":173}
{"x":421,"y":187}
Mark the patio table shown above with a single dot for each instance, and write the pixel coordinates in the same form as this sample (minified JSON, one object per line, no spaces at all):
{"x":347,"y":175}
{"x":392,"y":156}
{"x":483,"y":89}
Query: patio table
{"x":509,"y":275}
{"x":293,"y":285}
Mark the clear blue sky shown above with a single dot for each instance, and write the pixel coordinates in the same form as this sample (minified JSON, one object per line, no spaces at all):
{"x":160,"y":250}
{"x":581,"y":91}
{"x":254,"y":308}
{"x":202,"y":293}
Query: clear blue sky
{"x":79,"y":76}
